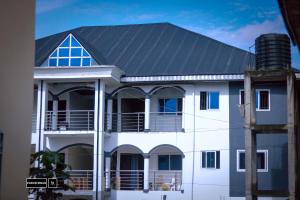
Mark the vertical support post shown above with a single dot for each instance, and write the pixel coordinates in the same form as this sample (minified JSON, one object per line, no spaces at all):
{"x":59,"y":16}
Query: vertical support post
{"x":55,"y":113}
{"x":250,"y":140}
{"x":146,"y":172}
{"x":41,"y":112}
{"x":183,"y":114}
{"x":119,"y":113}
{"x":109,"y":115}
{"x":107,"y":172}
{"x":147,"y":114}
{"x":98,"y":175}
{"x":292,"y":140}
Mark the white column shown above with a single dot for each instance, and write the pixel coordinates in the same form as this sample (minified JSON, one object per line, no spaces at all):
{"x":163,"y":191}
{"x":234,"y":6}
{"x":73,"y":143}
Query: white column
{"x":146,"y":173}
{"x":183,"y":114}
{"x":119,"y":111}
{"x":109,"y":114}
{"x":54,"y":113}
{"x":42,"y":103}
{"x":98,"y":175}
{"x":107,"y":172}
{"x":147,"y":114}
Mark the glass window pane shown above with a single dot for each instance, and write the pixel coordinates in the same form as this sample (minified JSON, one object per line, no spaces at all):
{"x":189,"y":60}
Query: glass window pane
{"x":66,"y":43}
{"x":85,"y":53}
{"x":256,"y":99}
{"x":86,"y":62}
{"x":52,"y":62}
{"x":203,"y":100}
{"x":161,"y":105}
{"x":163,"y":162}
{"x":175,"y":162}
{"x":260,"y":160}
{"x":242,"y":97}
{"x":75,"y":61}
{"x":242,"y":160}
{"x":179,"y":105}
{"x":264,"y":100}
{"x":63,"y":62}
{"x":64,"y":52}
{"x":210,"y":159}
{"x":170,"y":105}
{"x":214,"y":100}
{"x":76,"y":52}
{"x":54,"y":54}
{"x":75,"y":43}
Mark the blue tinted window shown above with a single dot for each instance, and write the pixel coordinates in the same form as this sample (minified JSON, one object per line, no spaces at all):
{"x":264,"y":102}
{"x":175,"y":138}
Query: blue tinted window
{"x":63,"y":62}
{"x":64,"y":52}
{"x":163,"y":162}
{"x":76,"y":52}
{"x":75,"y":61}
{"x":66,"y":43}
{"x":75,"y":43}
{"x":54,"y":54}
{"x":86,"y":62}
{"x":210,"y":156}
{"x":52,"y":62}
{"x":170,"y":105}
{"x":214,"y":100}
{"x":85,"y":53}
{"x":175,"y":162}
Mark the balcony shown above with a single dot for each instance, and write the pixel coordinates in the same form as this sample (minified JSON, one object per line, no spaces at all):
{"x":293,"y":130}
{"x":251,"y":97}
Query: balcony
{"x":81,"y":179}
{"x":134,"y":122}
{"x":164,"y":180}
{"x":70,"y":120}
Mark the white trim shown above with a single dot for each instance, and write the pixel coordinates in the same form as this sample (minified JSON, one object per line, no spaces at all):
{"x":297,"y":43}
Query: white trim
{"x":211,"y":77}
{"x":257,"y":91}
{"x":265,"y":151}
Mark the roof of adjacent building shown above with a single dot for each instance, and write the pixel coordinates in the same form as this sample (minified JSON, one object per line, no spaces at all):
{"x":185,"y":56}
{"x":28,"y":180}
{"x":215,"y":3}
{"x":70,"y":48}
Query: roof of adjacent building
{"x":156,"y":49}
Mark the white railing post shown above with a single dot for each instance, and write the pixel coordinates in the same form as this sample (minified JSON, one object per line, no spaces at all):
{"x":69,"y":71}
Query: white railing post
{"x":107,"y":172}
{"x":146,"y":172}
{"x":54,"y":113}
{"x":147,"y":114}
{"x":183,"y":115}
{"x":119,"y":114}
{"x":109,"y":114}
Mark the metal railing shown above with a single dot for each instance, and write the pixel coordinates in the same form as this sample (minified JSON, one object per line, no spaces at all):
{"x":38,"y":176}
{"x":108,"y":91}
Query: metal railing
{"x":74,"y":120}
{"x":81,"y":179}
{"x":125,"y":122}
{"x":33,"y":127}
{"x":164,"y":180}
{"x":166,"y":121}
{"x":127,"y":179}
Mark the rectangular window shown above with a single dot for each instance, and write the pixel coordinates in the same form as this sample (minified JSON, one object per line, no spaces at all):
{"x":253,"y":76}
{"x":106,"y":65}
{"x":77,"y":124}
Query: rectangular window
{"x":211,"y":159}
{"x":209,"y":100}
{"x":261,"y":160}
{"x":262,"y":99}
{"x":170,"y":105}
{"x":169,"y":162}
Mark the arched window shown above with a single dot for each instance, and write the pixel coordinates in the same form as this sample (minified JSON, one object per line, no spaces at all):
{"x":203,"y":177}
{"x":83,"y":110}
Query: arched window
{"x":70,"y":53}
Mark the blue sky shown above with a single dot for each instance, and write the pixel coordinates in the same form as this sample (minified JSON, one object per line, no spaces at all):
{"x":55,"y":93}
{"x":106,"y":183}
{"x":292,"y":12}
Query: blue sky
{"x":235,"y":22}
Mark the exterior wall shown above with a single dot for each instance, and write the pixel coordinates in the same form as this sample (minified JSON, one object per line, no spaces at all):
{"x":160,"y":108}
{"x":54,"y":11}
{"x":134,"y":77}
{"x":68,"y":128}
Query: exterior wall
{"x":276,"y":177}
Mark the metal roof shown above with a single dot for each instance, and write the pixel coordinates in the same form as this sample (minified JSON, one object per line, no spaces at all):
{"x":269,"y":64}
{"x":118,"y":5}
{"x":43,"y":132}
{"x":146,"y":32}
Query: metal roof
{"x":158,"y":49}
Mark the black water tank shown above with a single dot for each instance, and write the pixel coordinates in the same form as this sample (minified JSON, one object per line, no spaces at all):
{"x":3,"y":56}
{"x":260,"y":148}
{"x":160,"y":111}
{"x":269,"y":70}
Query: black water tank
{"x":272,"y":51}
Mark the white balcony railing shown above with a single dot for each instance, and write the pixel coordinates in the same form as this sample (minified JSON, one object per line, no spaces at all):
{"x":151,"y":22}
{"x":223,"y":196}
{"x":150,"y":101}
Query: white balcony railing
{"x":70,"y":120}
{"x":127,"y":179}
{"x":165,"y":180}
{"x":33,"y":127}
{"x":81,"y":179}
{"x":134,"y":122}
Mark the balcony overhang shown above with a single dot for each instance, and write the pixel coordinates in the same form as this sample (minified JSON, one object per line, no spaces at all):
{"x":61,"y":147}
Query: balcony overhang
{"x":109,"y":73}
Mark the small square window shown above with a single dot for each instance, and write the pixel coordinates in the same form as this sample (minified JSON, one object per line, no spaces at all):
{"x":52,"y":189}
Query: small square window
{"x":209,"y":100}
{"x":261,"y":160}
{"x":211,"y":159}
{"x":262,"y":99}
{"x":63,"y":62}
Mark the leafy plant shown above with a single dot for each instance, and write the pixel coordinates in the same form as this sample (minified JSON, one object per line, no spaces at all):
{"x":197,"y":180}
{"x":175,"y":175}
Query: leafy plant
{"x":50,"y":165}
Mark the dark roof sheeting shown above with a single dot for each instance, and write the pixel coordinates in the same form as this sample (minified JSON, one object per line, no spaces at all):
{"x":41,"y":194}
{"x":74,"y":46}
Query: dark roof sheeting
{"x":152,"y":50}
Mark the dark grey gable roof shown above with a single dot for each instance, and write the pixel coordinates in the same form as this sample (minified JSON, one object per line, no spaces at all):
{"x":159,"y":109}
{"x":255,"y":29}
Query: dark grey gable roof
{"x":152,"y":49}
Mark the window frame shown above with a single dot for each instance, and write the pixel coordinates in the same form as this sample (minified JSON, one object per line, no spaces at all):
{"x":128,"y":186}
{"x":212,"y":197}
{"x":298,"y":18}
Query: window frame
{"x":257,"y":92}
{"x":216,"y":165}
{"x":177,"y":111}
{"x":208,"y":98}
{"x":265,"y":151}
{"x":169,"y":162}
{"x":69,"y":57}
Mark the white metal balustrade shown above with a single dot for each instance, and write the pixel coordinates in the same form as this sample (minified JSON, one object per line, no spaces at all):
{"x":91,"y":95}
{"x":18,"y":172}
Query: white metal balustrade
{"x":127,"y":179}
{"x":81,"y":179}
{"x":69,"y":120}
{"x":166,"y":121}
{"x":165,"y":180}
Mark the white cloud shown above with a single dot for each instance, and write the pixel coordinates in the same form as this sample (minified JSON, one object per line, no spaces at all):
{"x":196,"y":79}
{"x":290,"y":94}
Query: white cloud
{"x":43,"y":6}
